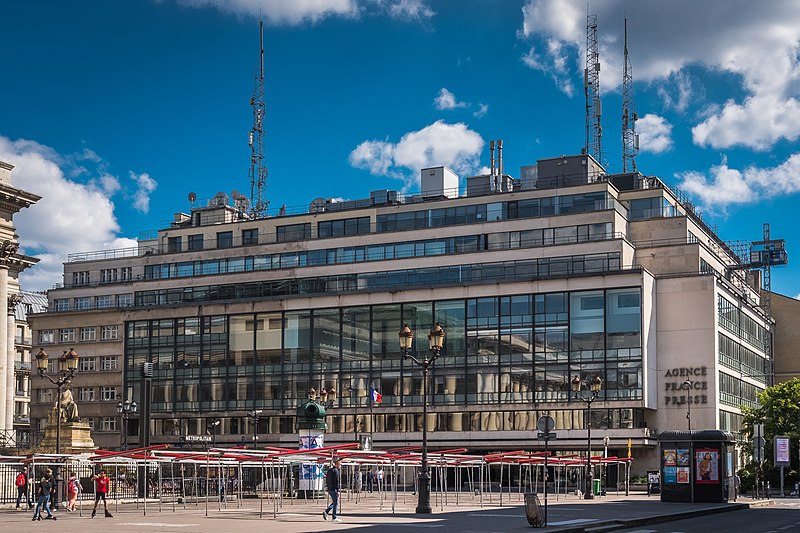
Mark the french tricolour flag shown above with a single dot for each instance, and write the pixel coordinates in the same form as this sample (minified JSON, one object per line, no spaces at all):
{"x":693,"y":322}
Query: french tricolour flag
{"x":376,"y":396}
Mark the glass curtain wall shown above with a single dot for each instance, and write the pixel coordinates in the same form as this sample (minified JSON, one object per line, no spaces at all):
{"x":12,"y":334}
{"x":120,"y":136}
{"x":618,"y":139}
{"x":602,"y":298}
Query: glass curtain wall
{"x":499,"y":351}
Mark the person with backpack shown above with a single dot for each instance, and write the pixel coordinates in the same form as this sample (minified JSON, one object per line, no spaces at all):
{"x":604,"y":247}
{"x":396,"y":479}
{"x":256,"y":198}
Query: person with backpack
{"x":22,"y":483}
{"x":43,"y":498}
{"x":333,"y":480}
{"x":73,"y":489}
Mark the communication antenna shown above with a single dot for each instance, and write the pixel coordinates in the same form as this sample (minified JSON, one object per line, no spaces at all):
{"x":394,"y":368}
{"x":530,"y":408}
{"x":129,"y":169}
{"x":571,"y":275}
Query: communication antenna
{"x":258,"y":172}
{"x":630,"y":140}
{"x":591,"y":88}
{"x":192,"y":197}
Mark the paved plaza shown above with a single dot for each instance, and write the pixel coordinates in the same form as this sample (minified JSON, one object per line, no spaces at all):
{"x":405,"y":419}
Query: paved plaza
{"x":369,"y":513}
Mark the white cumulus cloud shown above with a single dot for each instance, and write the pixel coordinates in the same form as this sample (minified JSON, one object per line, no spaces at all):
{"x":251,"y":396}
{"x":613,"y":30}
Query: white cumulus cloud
{"x":70,"y":217}
{"x":294,"y":12}
{"x":452,"y":145}
{"x":482,"y":110}
{"x":409,"y":9}
{"x":725,"y":185}
{"x":756,"y":47}
{"x":677,"y":91}
{"x":655,"y":134}
{"x":447,"y":100}
{"x":145,"y":185}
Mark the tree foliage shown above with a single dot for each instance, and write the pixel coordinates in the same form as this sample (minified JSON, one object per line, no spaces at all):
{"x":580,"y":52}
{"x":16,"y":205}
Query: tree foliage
{"x":780,"y":413}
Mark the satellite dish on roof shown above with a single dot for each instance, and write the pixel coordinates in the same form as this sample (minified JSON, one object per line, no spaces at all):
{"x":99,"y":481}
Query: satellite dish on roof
{"x":317,"y":205}
{"x":220,"y":200}
{"x":192,"y":197}
{"x":235,"y":194}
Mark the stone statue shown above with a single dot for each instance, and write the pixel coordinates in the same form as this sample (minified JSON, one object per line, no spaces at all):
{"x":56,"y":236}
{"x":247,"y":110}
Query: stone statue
{"x":69,"y":409}
{"x":14,"y":299}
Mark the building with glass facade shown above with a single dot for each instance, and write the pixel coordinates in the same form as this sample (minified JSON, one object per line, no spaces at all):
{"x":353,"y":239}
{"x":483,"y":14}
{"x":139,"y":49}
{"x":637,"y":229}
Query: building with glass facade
{"x":569,"y":272}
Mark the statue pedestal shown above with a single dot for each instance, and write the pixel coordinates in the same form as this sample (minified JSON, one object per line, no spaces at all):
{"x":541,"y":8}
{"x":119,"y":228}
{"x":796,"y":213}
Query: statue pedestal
{"x":76,"y":437}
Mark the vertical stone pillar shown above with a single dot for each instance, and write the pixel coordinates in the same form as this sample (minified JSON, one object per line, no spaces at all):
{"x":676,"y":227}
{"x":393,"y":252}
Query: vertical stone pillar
{"x":11,"y":381}
{"x":5,"y":371}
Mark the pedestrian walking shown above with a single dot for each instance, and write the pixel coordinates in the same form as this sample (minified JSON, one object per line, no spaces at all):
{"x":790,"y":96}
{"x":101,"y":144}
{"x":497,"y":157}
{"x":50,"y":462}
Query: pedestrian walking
{"x":101,"y":491}
{"x":73,"y":488}
{"x":22,"y":482}
{"x":333,"y":481}
{"x":370,"y":480}
{"x":379,"y":479}
{"x":53,"y":490}
{"x":43,"y":490}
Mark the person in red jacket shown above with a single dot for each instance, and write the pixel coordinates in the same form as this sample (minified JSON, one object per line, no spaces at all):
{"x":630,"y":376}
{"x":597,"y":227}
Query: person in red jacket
{"x":22,"y":482}
{"x":101,"y":491}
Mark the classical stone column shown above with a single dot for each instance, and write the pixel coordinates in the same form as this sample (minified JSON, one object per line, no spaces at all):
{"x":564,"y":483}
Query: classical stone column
{"x":11,"y":382}
{"x":4,"y":367}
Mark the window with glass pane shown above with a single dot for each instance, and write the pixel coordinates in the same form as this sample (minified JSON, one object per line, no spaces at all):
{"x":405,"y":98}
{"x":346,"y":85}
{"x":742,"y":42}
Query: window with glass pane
{"x":552,"y":383}
{"x":326,"y":338}
{"x":355,"y":335}
{"x":241,"y":338}
{"x":293,"y":232}
{"x":174,"y":245}
{"x":482,"y":384}
{"x":565,"y":235}
{"x":451,"y":316}
{"x":297,"y":337}
{"x":386,"y":324}
{"x":269,"y":327}
{"x":449,"y":386}
{"x":623,"y":318}
{"x":186,"y":392}
{"x":586,"y":320}
{"x":196,"y":242}
{"x":551,"y":308}
{"x":249,"y":236}
{"x":419,"y":318}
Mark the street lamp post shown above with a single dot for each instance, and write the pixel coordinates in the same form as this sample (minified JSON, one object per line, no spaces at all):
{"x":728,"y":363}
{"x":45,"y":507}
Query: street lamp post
{"x":593,"y":388}
{"x":435,"y":342}
{"x":688,"y":385}
{"x":254,"y":415}
{"x":126,"y":410}
{"x":211,"y":429}
{"x":67,"y":365}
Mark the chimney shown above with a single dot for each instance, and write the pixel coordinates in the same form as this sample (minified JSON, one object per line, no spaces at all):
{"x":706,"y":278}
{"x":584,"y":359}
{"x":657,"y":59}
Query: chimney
{"x":491,"y":165}
{"x":500,"y":158}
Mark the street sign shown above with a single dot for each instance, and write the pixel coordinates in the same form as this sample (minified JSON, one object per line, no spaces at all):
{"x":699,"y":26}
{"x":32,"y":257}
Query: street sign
{"x":198,"y":438}
{"x":758,"y":453}
{"x":758,"y":430}
{"x":546,"y":436}
{"x":546,"y":424}
{"x":759,"y":442}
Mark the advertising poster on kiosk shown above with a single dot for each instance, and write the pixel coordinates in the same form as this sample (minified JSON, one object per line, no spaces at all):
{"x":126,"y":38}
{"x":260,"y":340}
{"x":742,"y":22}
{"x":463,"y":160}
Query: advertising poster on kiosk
{"x":707,"y":466}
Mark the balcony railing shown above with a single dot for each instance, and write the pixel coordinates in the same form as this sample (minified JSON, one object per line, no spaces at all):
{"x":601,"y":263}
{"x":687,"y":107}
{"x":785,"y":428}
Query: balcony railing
{"x":21,"y":339}
{"x":22,"y":365}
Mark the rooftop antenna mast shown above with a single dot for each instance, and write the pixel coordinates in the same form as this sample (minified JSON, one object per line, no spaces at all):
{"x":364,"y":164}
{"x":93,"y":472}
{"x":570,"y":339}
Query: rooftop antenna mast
{"x":258,"y":172}
{"x":591,"y":87}
{"x":630,"y":140}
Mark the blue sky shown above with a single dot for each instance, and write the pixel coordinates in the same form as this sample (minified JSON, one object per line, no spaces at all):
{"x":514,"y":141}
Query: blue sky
{"x":115,"y":111}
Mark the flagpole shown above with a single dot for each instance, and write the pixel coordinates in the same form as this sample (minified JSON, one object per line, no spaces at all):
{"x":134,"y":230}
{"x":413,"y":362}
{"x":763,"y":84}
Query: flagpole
{"x":371,"y":415}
